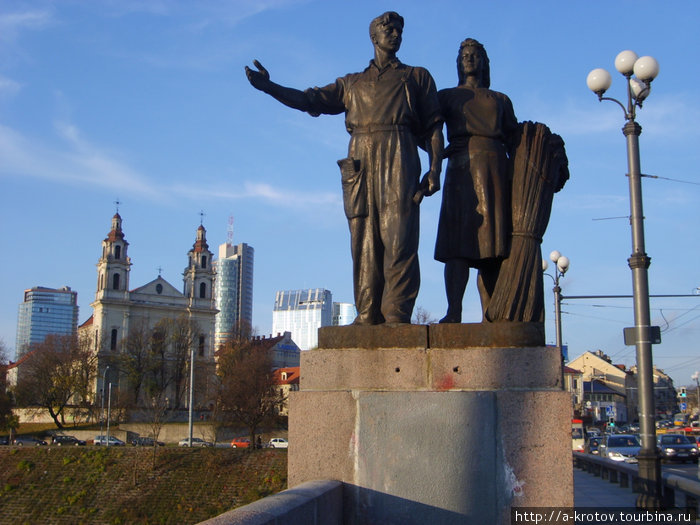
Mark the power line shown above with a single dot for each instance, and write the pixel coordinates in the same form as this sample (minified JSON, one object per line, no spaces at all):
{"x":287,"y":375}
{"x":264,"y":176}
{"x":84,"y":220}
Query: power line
{"x":672,"y":180}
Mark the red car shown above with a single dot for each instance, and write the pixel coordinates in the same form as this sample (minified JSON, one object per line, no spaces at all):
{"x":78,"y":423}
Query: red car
{"x":240,"y":442}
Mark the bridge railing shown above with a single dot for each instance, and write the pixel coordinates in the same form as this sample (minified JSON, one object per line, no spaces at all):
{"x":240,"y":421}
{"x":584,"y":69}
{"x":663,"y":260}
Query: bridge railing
{"x":678,"y":491}
{"x":313,"y":502}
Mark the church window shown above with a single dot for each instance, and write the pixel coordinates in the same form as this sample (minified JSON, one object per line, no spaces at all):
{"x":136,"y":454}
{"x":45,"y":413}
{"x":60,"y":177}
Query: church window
{"x":202,"y":339}
{"x":113,"y":340}
{"x":204,"y":261}
{"x":202,"y":290}
{"x":117,"y":252}
{"x":115,"y":281}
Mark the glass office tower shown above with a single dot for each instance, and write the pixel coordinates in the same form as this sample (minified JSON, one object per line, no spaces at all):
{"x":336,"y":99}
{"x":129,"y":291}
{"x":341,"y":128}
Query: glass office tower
{"x":343,"y":314}
{"x":45,"y":311}
{"x":233,"y":289}
{"x":302,"y":312}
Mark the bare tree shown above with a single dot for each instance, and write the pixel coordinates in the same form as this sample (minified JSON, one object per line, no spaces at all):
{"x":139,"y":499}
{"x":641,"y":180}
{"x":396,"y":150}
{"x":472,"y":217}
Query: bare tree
{"x":183,"y":334}
{"x":423,"y":316}
{"x":157,"y":376}
{"x":59,"y":372}
{"x":8,"y":421}
{"x":247,"y":393}
{"x":134,"y":360}
{"x":158,"y":407}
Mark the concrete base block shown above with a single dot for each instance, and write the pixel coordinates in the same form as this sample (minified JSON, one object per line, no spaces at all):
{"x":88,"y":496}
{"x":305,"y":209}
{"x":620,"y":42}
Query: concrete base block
{"x":433,"y":435}
{"x":439,"y":369}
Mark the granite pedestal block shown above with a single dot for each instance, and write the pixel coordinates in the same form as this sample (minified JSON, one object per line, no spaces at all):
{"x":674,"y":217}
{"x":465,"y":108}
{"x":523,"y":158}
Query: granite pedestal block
{"x":432,"y":432}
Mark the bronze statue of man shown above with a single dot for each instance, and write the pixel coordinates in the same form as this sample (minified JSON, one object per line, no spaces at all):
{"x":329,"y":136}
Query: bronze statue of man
{"x":475,"y":217}
{"x":390,"y":109}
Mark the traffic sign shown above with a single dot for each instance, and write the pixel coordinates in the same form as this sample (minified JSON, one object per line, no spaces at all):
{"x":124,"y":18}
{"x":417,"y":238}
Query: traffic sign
{"x":684,"y":406}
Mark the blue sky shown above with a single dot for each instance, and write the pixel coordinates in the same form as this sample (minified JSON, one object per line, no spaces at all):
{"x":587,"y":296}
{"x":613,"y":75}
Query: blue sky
{"x":146,"y":102}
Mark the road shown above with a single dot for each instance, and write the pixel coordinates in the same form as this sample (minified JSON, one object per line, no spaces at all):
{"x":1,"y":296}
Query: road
{"x":688,"y":470}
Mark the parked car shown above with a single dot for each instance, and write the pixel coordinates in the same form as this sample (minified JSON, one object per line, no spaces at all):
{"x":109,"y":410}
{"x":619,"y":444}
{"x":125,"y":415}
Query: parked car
{"x":278,"y":443}
{"x":677,"y":447}
{"x":28,"y":441}
{"x":146,"y":442}
{"x":196,"y":442}
{"x":113,"y":442}
{"x":620,"y":447}
{"x":61,"y":440}
{"x":240,"y":442}
{"x":4,"y":440}
{"x":592,"y":444}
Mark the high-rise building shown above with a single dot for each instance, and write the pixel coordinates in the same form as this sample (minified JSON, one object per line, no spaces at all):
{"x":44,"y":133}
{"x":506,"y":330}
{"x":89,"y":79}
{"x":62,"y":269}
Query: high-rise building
{"x":45,"y":311}
{"x":233,"y":290}
{"x":343,"y":314}
{"x":302,"y":312}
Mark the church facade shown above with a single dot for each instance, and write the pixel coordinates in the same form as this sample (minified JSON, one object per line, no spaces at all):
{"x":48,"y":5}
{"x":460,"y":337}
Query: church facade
{"x":145,"y":338}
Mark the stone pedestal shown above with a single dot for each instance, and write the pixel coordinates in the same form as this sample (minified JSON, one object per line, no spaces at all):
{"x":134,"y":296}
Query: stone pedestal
{"x":434,"y":424}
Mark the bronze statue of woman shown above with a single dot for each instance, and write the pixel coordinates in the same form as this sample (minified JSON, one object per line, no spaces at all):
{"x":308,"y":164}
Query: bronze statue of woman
{"x":475,"y":217}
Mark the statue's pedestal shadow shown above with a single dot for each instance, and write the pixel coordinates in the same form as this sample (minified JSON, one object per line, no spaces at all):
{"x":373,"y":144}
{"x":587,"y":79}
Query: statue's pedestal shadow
{"x":431,"y":424}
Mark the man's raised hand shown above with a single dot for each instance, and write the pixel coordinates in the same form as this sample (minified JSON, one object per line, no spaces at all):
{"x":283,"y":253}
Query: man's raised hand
{"x":259,"y":79}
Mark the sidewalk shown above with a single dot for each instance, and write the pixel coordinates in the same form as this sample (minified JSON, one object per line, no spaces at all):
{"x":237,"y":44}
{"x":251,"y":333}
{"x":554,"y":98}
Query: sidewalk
{"x":592,"y":491}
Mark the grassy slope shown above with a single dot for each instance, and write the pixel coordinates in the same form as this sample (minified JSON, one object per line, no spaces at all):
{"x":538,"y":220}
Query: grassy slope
{"x":120,"y":485}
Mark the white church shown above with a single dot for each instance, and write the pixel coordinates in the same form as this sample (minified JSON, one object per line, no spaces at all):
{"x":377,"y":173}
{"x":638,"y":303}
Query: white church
{"x":119,"y":312}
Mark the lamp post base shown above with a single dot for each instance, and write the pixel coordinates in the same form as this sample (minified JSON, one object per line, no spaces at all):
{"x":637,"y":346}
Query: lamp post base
{"x":651,"y":493}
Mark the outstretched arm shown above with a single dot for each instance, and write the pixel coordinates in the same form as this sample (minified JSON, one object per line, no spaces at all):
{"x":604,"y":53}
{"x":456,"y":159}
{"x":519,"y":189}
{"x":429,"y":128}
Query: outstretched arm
{"x":291,"y":97}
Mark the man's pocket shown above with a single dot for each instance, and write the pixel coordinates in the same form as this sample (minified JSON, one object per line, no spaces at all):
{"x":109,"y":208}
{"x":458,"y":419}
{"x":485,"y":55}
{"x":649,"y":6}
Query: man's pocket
{"x":354,"y":184}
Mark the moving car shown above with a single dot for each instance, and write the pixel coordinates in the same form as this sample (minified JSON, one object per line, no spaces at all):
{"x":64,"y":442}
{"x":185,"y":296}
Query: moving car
{"x":592,"y":432}
{"x":61,"y":440}
{"x":591,"y":446}
{"x":577,"y":435}
{"x":113,"y":442}
{"x":278,"y":443}
{"x":677,"y":447}
{"x":620,"y":447}
{"x":146,"y":442}
{"x":196,"y":442}
{"x":240,"y":442}
{"x":28,"y":441}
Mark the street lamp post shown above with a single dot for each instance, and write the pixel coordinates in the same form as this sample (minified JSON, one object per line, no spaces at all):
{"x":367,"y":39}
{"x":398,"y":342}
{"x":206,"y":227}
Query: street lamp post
{"x":190,"y":422}
{"x":102,"y":410}
{"x":109,"y":410}
{"x":639,"y":73}
{"x":696,"y":377}
{"x":562,"y":265}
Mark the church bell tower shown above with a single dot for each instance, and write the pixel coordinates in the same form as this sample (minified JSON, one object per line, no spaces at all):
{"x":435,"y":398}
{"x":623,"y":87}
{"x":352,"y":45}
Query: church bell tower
{"x":199,"y":274}
{"x":114,"y":264}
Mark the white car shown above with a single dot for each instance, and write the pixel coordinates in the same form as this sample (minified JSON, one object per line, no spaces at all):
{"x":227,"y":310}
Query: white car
{"x":196,"y":442}
{"x":278,"y":443}
{"x":113,"y":442}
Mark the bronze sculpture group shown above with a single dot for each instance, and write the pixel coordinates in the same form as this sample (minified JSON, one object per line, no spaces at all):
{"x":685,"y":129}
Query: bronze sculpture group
{"x":498,"y":191}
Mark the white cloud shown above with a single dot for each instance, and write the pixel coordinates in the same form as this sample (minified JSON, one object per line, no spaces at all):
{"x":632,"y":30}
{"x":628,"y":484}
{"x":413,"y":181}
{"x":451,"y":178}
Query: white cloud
{"x":81,"y":163}
{"x":8,"y":87}
{"x":278,"y":196}
{"x":12,"y":24}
